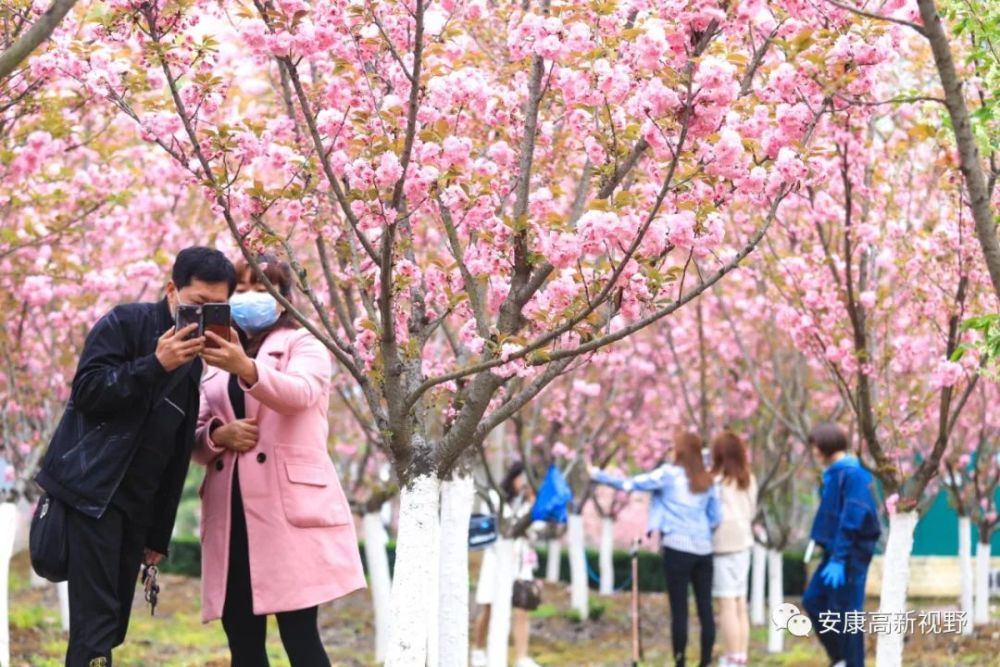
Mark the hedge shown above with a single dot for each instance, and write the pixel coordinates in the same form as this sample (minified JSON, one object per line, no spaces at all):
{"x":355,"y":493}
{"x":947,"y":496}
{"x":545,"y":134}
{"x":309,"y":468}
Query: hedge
{"x":651,"y":576}
{"x":185,"y":558}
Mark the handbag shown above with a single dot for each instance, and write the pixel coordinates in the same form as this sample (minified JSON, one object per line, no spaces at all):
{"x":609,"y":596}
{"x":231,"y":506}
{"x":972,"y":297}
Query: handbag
{"x":527,"y":595}
{"x":48,"y":540}
{"x":482,"y":531}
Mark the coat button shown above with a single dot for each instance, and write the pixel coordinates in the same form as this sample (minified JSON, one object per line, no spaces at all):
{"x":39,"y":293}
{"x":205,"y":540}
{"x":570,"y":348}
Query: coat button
{"x":261,"y":457}
{"x":218,"y":464}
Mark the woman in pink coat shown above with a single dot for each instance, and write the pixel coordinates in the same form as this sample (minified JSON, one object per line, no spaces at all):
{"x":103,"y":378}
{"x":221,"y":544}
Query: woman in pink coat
{"x":276,"y":530}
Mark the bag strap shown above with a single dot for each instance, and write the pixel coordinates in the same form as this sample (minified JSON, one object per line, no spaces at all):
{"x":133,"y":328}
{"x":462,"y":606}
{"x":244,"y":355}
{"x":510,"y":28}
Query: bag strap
{"x":178,"y":375}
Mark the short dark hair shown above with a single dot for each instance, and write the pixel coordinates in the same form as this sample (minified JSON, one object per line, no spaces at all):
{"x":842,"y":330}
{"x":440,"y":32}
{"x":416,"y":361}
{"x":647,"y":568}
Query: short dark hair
{"x":515,"y":470}
{"x":205,"y":264}
{"x":828,"y":438}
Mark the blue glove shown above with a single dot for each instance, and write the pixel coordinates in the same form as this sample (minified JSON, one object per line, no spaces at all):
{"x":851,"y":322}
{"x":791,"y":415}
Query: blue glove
{"x":833,"y":574}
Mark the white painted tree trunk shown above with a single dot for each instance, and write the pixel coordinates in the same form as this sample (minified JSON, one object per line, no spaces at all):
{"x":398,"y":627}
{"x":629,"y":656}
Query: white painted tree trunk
{"x":385,"y":514}
{"x":37,"y":581}
{"x":758,"y":612}
{"x":379,"y":579}
{"x":62,"y":589}
{"x":606,"y":556}
{"x":553,"y":561}
{"x":579,"y":589}
{"x":896,"y":564}
{"x":776,"y":597}
{"x":432,"y":608}
{"x":965,"y":571}
{"x":25,"y":512}
{"x":498,"y":637}
{"x":8,"y":531}
{"x":416,"y":572}
{"x":982,"y":604}
{"x":456,"y":507}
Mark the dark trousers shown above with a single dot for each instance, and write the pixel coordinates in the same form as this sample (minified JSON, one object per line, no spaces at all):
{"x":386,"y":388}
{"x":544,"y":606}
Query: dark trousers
{"x":104,"y":559}
{"x":246,"y":631}
{"x":686,"y":569}
{"x":833,"y":603}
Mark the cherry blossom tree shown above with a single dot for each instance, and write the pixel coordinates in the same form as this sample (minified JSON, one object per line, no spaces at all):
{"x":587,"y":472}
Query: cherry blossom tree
{"x":598,"y":413}
{"x":474,"y":194}
{"x":788,"y":399}
{"x":971,"y":475}
{"x":888,"y":351}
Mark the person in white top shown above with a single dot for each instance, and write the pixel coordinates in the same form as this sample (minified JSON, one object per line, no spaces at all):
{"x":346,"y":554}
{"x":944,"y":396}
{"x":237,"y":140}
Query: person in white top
{"x":521,"y":497}
{"x":731,"y":545}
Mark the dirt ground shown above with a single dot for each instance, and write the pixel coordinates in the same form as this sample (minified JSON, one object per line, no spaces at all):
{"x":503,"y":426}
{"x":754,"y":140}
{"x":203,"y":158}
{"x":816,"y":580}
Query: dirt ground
{"x":175,"y":637}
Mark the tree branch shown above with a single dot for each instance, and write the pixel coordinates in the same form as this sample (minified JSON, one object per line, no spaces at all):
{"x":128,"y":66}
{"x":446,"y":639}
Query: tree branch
{"x":43,"y":28}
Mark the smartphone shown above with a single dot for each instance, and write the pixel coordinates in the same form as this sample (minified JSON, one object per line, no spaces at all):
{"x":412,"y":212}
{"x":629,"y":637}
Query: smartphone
{"x":186,"y":316}
{"x":215,"y":318}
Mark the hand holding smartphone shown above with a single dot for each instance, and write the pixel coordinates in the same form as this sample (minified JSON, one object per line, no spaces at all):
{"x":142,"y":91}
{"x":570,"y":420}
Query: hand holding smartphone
{"x":212,"y":317}
{"x":216,"y":318}
{"x":186,"y":316}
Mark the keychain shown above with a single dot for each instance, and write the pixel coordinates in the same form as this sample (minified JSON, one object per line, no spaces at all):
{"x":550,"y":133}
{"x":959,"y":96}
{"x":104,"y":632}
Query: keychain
{"x":152,"y":588}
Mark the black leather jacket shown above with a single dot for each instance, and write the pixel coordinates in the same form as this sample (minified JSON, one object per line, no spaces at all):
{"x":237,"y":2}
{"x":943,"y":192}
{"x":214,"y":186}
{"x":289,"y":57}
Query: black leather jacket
{"x":116,"y":384}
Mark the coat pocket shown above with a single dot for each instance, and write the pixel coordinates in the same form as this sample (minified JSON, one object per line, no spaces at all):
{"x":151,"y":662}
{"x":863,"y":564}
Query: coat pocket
{"x":310,"y":491}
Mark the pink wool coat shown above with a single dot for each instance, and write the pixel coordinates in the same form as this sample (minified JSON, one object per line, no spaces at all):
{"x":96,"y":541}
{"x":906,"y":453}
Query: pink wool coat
{"x":303,"y":548}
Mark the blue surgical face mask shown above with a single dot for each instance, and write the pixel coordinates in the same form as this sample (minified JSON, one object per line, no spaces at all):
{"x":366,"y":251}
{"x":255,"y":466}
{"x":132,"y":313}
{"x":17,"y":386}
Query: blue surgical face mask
{"x":254,"y":312}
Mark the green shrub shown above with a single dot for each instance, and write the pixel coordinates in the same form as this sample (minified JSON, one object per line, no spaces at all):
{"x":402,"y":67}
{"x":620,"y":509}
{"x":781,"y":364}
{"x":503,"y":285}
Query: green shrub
{"x":545,"y":611}
{"x":185,"y":559}
{"x":596,"y":609}
{"x":651,"y":576}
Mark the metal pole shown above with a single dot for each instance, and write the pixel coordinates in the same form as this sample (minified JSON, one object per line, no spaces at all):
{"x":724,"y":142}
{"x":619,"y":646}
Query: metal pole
{"x":636,"y":638}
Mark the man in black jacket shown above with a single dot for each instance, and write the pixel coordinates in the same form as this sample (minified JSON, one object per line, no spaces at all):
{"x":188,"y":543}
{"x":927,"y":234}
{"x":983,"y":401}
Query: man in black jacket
{"x":120,"y":454}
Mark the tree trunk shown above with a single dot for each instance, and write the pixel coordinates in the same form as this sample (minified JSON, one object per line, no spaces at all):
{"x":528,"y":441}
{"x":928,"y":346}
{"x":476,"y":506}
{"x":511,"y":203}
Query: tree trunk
{"x":62,"y":589}
{"x":895,"y":579}
{"x":982,"y":616}
{"x":432,"y":608}
{"x":973,"y":172}
{"x":965,"y":571}
{"x":758,"y":612}
{"x":607,"y":556}
{"x":379,"y":579}
{"x":553,"y":561}
{"x":579,"y":588}
{"x":500,"y":610}
{"x":8,"y":531}
{"x":453,"y":631}
{"x":776,"y":597}
{"x":416,"y":572}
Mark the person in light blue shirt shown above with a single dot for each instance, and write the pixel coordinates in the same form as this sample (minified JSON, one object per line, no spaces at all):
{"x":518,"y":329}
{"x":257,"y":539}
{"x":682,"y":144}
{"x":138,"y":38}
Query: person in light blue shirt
{"x":685,"y":511}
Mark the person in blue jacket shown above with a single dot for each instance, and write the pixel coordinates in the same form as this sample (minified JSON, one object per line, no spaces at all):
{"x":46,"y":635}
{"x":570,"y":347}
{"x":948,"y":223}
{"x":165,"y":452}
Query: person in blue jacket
{"x":847,"y":527}
{"x":685,"y":511}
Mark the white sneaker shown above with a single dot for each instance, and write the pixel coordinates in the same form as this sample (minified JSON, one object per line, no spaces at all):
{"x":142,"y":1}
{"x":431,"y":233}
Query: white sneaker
{"x":841,"y":663}
{"x":478,"y":658}
{"x":526,"y":662}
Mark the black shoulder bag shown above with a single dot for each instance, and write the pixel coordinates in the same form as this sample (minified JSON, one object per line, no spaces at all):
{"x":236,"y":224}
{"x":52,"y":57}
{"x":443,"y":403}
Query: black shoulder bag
{"x":48,"y":541}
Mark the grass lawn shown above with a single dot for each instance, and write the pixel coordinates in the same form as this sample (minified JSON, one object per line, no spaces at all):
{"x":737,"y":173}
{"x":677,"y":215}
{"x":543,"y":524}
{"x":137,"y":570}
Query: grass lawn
{"x":175,"y":637}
